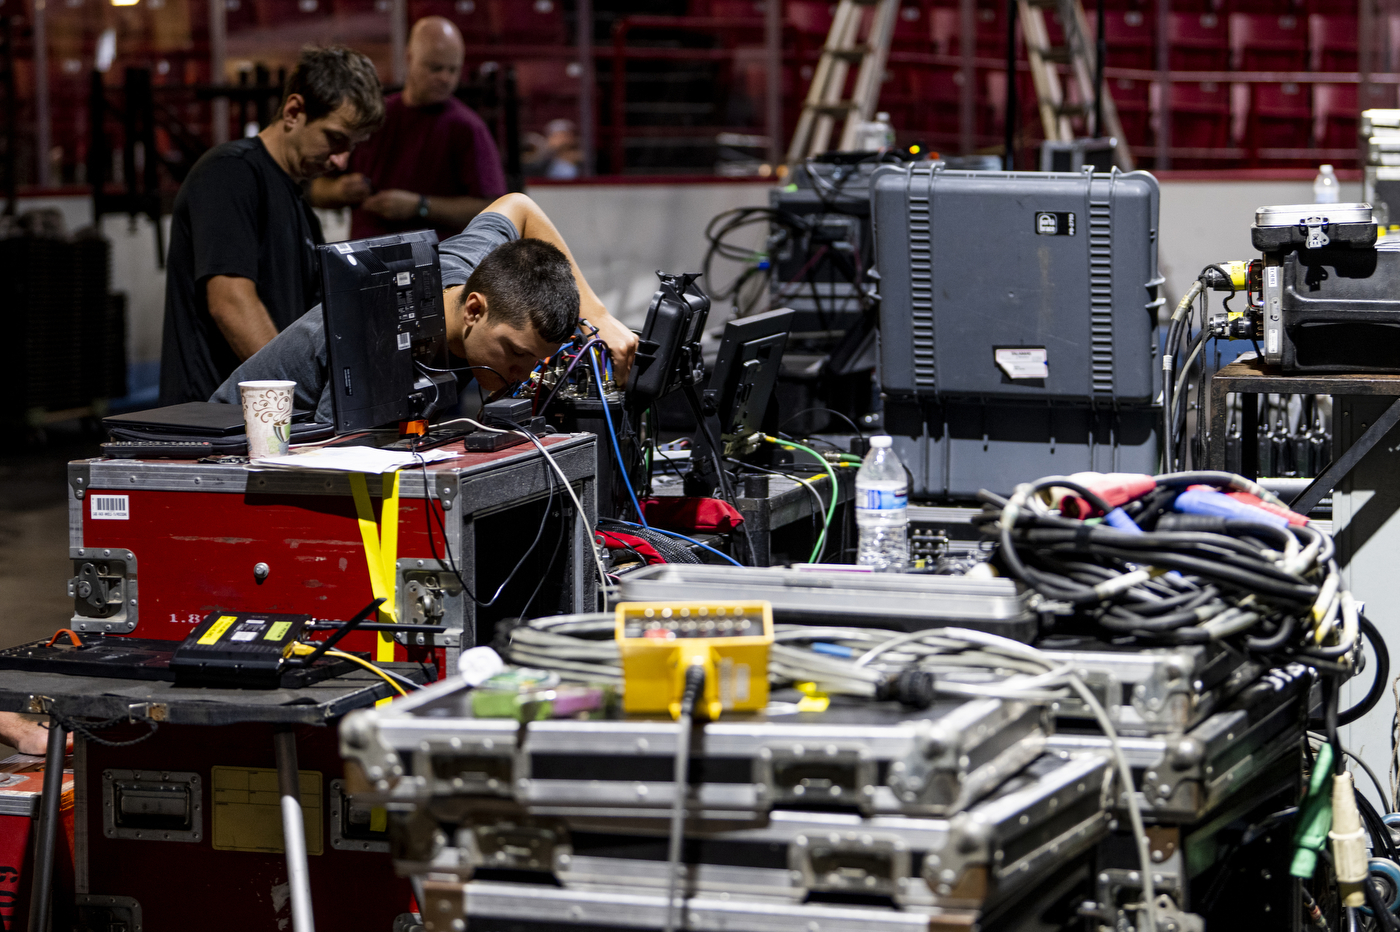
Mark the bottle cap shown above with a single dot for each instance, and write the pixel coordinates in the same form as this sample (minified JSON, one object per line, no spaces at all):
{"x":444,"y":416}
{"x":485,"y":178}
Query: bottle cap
{"x":880,"y":440}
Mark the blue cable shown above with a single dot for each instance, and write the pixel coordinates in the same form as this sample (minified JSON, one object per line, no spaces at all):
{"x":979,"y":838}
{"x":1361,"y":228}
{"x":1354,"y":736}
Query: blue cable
{"x":689,"y":540}
{"x":612,"y":434}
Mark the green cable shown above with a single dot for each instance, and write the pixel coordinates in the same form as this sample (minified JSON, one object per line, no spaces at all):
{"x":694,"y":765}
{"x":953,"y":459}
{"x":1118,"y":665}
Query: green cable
{"x":1314,"y":816}
{"x":835,"y":489}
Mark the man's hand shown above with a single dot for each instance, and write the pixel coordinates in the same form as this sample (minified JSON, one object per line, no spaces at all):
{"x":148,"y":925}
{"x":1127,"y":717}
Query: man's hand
{"x":26,"y":735}
{"x":347,"y":190}
{"x":393,"y":204}
{"x":622,"y":342}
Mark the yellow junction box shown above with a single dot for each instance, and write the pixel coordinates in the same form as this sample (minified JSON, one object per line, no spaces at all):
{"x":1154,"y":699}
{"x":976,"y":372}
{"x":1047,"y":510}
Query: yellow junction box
{"x":659,"y":641}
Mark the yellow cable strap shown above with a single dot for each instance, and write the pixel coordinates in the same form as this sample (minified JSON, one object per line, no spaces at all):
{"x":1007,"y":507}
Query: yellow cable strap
{"x":381,"y":550}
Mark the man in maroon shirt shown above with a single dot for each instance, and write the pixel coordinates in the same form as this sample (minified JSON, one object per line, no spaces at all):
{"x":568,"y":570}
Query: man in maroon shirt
{"x":434,"y":163}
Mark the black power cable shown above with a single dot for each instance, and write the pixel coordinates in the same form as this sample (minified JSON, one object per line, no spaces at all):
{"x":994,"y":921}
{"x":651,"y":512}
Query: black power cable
{"x":694,"y":683}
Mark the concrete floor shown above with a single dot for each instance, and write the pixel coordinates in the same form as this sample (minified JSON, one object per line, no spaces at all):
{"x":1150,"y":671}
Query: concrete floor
{"x":34,"y":565}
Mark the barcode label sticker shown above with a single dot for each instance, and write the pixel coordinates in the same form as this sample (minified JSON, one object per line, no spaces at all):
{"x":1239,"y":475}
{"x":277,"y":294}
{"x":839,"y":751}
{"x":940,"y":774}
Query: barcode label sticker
{"x":405,"y":341}
{"x":110,"y":507}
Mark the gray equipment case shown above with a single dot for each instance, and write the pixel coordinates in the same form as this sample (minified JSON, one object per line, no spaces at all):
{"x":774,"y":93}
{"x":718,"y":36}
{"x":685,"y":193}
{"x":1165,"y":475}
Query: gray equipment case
{"x":1153,"y":690}
{"x":517,"y":907}
{"x":879,"y":600}
{"x":874,"y":757}
{"x":992,"y":855}
{"x":984,"y":276}
{"x":1182,"y":778}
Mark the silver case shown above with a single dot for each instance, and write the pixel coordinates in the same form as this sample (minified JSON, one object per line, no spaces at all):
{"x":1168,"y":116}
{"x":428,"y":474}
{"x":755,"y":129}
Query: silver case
{"x":1158,"y":690}
{"x":1184,"y":777}
{"x":1291,"y":215}
{"x":997,"y":848}
{"x":934,"y":765}
{"x":878,"y":599}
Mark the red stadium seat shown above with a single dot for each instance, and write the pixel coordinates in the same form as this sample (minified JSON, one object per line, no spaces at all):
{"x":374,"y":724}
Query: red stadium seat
{"x":1268,"y":42}
{"x":945,"y":29}
{"x":911,"y":27}
{"x":528,"y":22}
{"x":1200,"y":115}
{"x":1335,"y":115}
{"x":943,"y":26}
{"x":1133,"y":100}
{"x":471,"y":16}
{"x":1130,"y":37}
{"x":1197,"y":42}
{"x":1332,"y":43}
{"x":1280,"y":117}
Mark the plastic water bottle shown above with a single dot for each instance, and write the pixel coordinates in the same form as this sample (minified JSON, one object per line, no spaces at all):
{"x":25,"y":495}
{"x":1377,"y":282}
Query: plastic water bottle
{"x":882,"y":508}
{"x":1325,"y":187}
{"x":875,"y":134}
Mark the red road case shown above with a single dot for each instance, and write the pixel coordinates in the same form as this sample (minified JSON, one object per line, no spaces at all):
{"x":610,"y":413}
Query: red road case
{"x":158,"y":544}
{"x":183,"y":831}
{"x":21,"y":787}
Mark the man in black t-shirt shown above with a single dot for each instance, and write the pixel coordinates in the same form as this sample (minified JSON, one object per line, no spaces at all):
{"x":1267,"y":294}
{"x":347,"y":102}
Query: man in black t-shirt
{"x":242,"y":263}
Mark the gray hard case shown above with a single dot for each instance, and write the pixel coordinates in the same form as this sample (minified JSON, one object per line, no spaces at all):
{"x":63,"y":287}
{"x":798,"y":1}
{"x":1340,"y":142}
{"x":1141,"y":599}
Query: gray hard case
{"x":878,"y":600}
{"x":1054,"y":810}
{"x":1182,"y":778}
{"x":1060,"y":264}
{"x":1313,"y":226}
{"x":1153,"y":690}
{"x":867,"y":756}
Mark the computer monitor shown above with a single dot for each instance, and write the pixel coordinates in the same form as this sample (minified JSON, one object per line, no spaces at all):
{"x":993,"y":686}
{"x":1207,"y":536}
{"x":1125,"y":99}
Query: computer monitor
{"x":745,"y":373}
{"x":386,"y":331}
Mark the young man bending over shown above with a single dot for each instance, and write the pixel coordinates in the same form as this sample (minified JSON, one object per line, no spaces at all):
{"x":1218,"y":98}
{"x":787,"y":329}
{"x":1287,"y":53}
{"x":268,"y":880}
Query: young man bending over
{"x":511,"y":293}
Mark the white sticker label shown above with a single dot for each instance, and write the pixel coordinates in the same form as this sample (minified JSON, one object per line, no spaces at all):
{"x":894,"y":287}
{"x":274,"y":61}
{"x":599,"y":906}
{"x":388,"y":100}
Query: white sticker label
{"x":403,"y":278}
{"x":343,"y":248}
{"x":1271,"y":344}
{"x":405,"y":341}
{"x":110,"y":507}
{"x":1273,"y":276}
{"x":1024,"y":362}
{"x":245,"y":636}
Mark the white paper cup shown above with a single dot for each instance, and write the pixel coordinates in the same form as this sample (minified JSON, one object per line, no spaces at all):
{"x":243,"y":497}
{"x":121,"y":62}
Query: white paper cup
{"x":267,"y":416}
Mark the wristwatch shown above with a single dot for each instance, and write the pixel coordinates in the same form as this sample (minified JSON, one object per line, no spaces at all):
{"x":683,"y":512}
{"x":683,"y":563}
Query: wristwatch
{"x":423,"y":206}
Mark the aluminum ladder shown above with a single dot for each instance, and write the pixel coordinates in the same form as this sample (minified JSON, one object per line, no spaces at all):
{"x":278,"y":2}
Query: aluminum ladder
{"x":1056,"y":110}
{"x":825,"y":101}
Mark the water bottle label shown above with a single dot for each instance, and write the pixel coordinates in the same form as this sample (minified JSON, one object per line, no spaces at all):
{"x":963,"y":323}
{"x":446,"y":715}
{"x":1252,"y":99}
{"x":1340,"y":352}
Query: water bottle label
{"x":882,"y":499}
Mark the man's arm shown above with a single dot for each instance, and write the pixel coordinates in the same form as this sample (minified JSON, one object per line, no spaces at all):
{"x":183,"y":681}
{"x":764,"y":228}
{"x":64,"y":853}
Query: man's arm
{"x":25,"y":735}
{"x":397,"y":204}
{"x":239,"y":312}
{"x":348,"y":190}
{"x":532,"y":223}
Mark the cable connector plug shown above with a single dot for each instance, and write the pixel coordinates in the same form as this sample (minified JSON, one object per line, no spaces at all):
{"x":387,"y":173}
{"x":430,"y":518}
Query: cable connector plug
{"x":913,"y":689}
{"x":1314,"y":817}
{"x":1115,"y":488}
{"x":694,"y":686}
{"x":1348,"y":842}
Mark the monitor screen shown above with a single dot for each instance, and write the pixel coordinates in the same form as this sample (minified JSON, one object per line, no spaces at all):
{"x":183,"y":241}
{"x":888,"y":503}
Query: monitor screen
{"x":386,"y":333}
{"x":746,"y":371}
